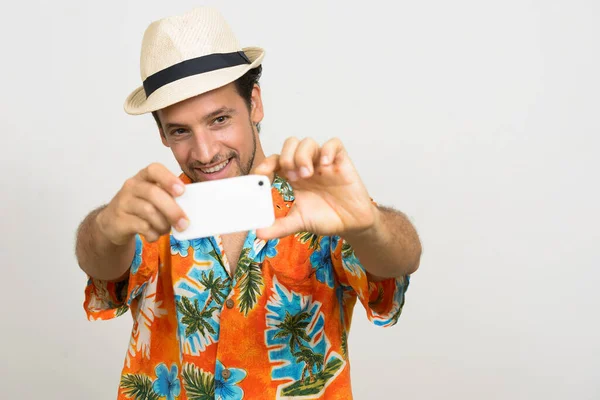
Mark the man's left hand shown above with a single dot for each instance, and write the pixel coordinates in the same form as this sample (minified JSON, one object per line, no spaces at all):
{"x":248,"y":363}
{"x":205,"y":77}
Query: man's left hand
{"x":330,"y":198}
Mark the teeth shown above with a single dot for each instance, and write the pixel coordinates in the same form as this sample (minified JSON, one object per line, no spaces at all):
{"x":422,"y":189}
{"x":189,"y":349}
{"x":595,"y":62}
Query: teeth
{"x":216,"y":168}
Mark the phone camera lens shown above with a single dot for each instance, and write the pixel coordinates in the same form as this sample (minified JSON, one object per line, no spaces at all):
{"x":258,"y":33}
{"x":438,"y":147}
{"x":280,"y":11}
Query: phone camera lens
{"x":260,"y":183}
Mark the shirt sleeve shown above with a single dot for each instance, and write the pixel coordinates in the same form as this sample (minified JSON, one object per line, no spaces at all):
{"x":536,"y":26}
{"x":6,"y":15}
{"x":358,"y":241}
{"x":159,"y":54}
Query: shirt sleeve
{"x":106,"y":299}
{"x":382,"y":300}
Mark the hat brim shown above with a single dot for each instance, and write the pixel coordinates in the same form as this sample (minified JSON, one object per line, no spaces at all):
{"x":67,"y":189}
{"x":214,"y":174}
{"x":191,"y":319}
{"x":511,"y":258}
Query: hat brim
{"x":185,"y":88}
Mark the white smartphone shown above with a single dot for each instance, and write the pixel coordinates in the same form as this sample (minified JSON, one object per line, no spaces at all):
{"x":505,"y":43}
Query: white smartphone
{"x":224,"y":206}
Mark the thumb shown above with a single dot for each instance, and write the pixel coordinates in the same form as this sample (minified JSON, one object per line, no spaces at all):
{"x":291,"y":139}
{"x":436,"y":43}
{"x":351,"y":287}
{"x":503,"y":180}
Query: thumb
{"x":285,"y":226}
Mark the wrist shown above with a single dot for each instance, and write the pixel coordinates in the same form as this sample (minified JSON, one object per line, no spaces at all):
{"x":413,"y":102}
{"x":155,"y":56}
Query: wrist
{"x":101,"y":225}
{"x":369,"y":233}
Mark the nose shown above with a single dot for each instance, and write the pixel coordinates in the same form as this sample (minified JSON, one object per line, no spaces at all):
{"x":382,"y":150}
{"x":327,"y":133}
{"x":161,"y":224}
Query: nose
{"x":206,"y":148}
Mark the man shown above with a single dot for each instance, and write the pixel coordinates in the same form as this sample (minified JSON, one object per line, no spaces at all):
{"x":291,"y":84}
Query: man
{"x":261,"y":314}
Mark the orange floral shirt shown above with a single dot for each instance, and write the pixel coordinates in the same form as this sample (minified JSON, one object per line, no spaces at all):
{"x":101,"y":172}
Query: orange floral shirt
{"x":277,"y":329}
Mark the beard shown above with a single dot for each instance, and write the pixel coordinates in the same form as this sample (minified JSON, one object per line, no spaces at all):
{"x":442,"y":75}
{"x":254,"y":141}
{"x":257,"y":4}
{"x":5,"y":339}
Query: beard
{"x":250,"y":163}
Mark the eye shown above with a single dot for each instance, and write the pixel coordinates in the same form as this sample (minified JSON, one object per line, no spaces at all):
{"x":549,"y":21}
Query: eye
{"x":220,"y":120}
{"x":178,"y":132}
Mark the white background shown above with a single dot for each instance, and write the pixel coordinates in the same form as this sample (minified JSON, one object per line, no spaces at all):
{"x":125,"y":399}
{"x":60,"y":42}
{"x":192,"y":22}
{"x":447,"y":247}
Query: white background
{"x":479,"y":119}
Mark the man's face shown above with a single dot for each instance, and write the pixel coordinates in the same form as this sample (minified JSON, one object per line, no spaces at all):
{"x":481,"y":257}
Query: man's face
{"x":213,"y":135}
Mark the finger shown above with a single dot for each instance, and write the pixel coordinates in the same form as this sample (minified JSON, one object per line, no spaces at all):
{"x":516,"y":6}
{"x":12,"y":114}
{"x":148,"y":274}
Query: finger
{"x":286,"y":158}
{"x":268,"y":166}
{"x":150,"y":235}
{"x":163,"y":202}
{"x":332,"y":152}
{"x":285,"y":226}
{"x":307,"y":154}
{"x":159,"y":174}
{"x":147,"y":211}
{"x":132,"y":224}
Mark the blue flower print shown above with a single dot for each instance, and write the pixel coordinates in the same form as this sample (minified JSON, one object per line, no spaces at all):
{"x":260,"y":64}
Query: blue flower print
{"x":137,"y":258}
{"x":136,"y":291}
{"x":179,"y":247}
{"x":334,"y":243}
{"x":227,"y":389}
{"x":321,"y":262}
{"x":201,"y":247}
{"x":167,"y":383}
{"x":268,"y":251}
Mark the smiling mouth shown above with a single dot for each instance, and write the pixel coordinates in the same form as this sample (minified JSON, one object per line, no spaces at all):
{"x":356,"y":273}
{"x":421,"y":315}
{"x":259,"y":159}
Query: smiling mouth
{"x":215,"y":168}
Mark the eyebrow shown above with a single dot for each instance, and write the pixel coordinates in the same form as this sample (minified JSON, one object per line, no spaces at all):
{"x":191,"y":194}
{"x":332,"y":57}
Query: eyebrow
{"x":207,"y":117}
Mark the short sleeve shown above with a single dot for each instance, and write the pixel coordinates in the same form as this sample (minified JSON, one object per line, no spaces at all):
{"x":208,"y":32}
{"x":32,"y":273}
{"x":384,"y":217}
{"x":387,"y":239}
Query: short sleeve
{"x":382,"y":300}
{"x":107,"y":299}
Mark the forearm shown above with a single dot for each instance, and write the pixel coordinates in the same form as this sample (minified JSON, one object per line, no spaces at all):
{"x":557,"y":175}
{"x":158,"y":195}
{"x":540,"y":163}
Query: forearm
{"x":391,"y":248}
{"x":99,"y":257}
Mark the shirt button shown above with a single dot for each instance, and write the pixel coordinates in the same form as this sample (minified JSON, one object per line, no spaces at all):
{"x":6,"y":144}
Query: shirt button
{"x":229,"y":303}
{"x":226,"y":374}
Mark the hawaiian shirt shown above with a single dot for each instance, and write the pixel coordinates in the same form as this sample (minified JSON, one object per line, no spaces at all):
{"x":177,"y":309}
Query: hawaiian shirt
{"x":276,"y":329}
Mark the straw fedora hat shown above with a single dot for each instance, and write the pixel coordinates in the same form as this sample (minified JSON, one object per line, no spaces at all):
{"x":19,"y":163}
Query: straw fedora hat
{"x":187,"y":55}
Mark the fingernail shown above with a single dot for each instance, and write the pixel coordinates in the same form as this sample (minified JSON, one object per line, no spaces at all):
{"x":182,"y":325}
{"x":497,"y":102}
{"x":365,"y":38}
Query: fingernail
{"x":292,"y":175}
{"x":325,"y":160}
{"x":178,"y":188}
{"x":182,"y":224}
{"x":304,"y":172}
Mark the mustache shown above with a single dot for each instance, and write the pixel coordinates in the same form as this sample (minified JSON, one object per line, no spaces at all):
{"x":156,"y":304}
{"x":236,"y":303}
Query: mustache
{"x":215,"y":160}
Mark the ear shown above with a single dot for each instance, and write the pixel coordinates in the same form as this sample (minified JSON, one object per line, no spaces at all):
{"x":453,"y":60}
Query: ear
{"x":256,"y":110}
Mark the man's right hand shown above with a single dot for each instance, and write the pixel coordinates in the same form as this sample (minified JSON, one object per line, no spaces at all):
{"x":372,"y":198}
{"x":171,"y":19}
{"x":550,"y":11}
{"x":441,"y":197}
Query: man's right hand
{"x":145,"y":205}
